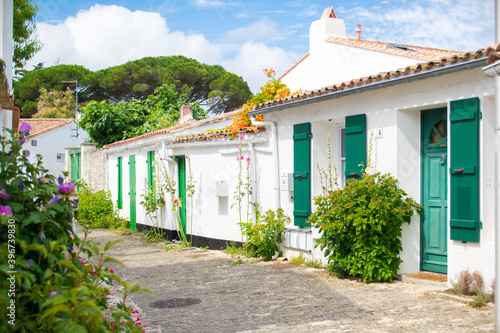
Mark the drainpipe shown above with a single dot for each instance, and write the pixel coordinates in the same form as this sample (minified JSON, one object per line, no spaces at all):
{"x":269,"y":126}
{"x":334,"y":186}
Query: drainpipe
{"x":276,"y":169}
{"x":253,"y":175}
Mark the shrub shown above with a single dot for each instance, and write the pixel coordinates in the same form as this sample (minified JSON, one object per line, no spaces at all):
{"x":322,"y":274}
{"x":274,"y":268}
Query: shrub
{"x":264,"y":237}
{"x":96,"y":210}
{"x":44,"y":286}
{"x":361,"y":227}
{"x":468,"y":283}
{"x":298,"y":260}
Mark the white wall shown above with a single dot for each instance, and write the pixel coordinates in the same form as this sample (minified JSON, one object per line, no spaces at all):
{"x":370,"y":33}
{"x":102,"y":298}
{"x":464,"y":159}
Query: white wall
{"x":51,"y":143}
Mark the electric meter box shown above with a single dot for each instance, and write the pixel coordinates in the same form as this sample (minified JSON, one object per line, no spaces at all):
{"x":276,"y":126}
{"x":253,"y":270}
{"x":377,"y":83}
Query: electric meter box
{"x":286,"y":182}
{"x":221,"y":188}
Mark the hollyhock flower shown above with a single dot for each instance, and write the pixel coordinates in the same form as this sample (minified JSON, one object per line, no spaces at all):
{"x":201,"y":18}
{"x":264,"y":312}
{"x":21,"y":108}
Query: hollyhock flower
{"x":53,"y":293}
{"x":22,"y":141}
{"x":42,"y":237}
{"x":5,"y":210}
{"x":112,"y":271}
{"x":66,"y":188}
{"x":4,"y":194}
{"x":248,"y":159}
{"x":31,"y":262}
{"x":242,"y":137}
{"x":27,"y":153}
{"x":237,"y":158}
{"x":21,"y":186}
{"x":241,"y":157}
{"x":60,"y":180}
{"x":25,"y":128}
{"x":54,"y":200}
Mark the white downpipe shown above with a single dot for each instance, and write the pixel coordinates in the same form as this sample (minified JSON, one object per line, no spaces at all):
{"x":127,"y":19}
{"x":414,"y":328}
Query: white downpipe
{"x":276,"y":169}
{"x":253,"y":174}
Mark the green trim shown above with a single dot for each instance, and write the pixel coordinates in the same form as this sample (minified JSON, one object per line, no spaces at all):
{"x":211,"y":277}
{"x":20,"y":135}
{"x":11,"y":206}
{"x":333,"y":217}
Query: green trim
{"x":302,"y":174}
{"x":119,"y":200}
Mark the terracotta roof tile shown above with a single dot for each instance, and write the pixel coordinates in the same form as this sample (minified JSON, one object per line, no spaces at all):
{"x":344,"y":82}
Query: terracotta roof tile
{"x":176,"y":128}
{"x":493,"y":53}
{"x":383,"y":76}
{"x":43,"y":125}
{"x":409,"y":51}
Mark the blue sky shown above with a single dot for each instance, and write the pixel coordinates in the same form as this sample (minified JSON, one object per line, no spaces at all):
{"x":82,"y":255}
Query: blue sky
{"x":244,"y":36}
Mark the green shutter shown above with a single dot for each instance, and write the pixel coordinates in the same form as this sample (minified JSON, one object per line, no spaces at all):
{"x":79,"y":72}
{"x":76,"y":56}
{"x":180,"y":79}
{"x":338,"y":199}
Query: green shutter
{"x":355,"y":146}
{"x":151,"y":169}
{"x":301,"y":174}
{"x":132,"y":192}
{"x":119,"y":200}
{"x":464,"y":170}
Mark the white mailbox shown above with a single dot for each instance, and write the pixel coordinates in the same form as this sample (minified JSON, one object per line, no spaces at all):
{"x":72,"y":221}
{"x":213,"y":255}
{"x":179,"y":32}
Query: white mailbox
{"x":221,"y":188}
{"x":286,"y":182}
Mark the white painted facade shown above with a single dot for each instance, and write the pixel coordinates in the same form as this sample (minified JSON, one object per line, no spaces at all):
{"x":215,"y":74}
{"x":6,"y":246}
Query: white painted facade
{"x":331,"y":63}
{"x":393,"y":115}
{"x":6,"y":52}
{"x":51,"y":146}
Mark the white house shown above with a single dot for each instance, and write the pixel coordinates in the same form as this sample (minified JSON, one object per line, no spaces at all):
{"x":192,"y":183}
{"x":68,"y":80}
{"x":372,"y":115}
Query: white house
{"x":6,"y":52}
{"x":49,"y":138}
{"x":429,"y":124}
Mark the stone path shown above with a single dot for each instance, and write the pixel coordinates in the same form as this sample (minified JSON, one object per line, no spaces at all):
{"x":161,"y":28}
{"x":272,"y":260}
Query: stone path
{"x":263,"y":297}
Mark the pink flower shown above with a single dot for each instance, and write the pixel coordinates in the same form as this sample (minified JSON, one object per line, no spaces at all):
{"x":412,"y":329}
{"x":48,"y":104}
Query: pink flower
{"x":5,"y":210}
{"x":241,"y":157}
{"x":111,"y":271}
{"x":237,"y":147}
{"x":248,"y":159}
{"x":237,"y":158}
{"x":4,"y":194}
{"x":66,"y":188}
{"x":242,"y":137}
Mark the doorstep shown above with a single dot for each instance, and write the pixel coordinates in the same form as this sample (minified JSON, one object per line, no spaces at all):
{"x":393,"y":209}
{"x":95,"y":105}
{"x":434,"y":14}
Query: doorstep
{"x":427,"y":278}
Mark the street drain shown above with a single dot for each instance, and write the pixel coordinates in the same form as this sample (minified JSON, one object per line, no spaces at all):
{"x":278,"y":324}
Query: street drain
{"x":174,"y":303}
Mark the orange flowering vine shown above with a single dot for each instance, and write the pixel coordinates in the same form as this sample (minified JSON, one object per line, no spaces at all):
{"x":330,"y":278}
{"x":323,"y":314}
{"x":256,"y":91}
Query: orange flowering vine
{"x":273,"y":89}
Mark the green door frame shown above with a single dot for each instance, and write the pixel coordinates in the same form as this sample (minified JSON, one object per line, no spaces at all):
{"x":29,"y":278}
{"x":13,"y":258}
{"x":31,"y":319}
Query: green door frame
{"x":434,"y":189}
{"x":119,"y":199}
{"x":132,"y":192}
{"x":181,"y":163}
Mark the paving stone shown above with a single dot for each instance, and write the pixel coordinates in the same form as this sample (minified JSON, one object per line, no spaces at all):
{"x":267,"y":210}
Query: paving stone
{"x":258,"y":298}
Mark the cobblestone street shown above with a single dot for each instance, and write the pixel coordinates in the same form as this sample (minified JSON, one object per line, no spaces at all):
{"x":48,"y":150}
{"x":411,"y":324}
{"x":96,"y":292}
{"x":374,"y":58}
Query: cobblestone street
{"x":267,"y":297}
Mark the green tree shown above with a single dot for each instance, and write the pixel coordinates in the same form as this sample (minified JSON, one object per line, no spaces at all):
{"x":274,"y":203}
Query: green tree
{"x":27,"y":89}
{"x":106,"y":123}
{"x":26,"y":42}
{"x":56,"y":104}
{"x":209,"y":85}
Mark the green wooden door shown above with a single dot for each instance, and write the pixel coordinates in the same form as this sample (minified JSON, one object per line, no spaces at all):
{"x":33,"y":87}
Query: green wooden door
{"x":132,"y":192}
{"x":301,"y":174}
{"x":76,"y":164}
{"x":181,"y":161}
{"x":464,"y":170}
{"x":434,"y":191}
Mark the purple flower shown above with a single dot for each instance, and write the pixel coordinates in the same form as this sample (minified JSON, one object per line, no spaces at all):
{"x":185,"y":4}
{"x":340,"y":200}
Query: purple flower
{"x":21,"y":186}
{"x":60,"y":180}
{"x":54,"y":200}
{"x":66,"y":188}
{"x":30,"y":262}
{"x":25,"y":128}
{"x":22,"y":141}
{"x":4,"y":194}
{"x":27,"y":153}
{"x":5,"y":210}
{"x":53,"y":293}
{"x":42,"y":237}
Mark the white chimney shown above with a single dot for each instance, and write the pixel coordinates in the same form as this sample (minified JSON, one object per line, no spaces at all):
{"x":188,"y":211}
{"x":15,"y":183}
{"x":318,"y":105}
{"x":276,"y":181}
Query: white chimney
{"x":186,"y":114}
{"x":328,"y":25}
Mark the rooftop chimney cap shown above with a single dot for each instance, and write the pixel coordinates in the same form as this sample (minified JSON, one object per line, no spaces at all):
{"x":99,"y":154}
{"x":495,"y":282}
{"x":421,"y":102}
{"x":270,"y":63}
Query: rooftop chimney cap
{"x":358,"y":31}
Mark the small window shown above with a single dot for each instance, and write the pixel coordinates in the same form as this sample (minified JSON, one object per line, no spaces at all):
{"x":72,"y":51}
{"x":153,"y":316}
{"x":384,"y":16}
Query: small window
{"x":34,"y":143}
{"x":438,"y":133}
{"x":342,"y":153}
{"x":60,"y":157}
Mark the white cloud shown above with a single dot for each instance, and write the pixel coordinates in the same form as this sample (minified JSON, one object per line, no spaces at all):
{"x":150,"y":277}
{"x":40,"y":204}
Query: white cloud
{"x":460,"y":25}
{"x":105,"y":36}
{"x":264,"y":29}
{"x":253,"y":57}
